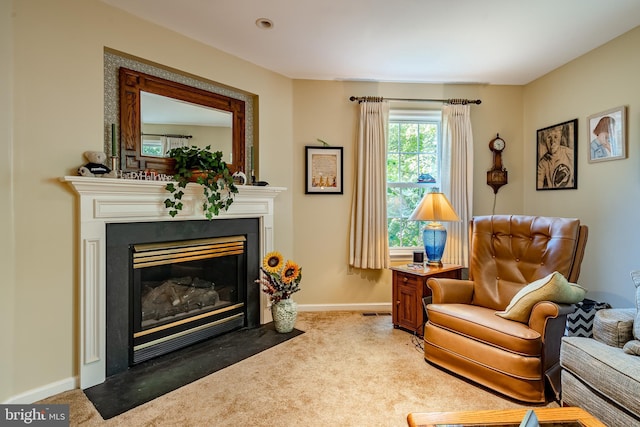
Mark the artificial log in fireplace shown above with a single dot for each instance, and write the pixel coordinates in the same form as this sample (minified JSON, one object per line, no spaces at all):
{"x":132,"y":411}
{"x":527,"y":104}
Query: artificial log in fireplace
{"x":172,"y":284}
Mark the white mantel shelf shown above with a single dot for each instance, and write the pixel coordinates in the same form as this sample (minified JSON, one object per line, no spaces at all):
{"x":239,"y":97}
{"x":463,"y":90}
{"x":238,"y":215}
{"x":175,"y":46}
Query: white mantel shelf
{"x":130,"y":200}
{"x":107,"y":200}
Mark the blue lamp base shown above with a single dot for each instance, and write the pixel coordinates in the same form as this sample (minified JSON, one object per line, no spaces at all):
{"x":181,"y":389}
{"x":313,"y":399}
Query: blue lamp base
{"x":434,"y":237}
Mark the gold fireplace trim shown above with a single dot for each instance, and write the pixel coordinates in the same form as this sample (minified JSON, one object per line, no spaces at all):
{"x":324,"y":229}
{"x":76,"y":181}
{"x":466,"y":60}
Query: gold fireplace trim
{"x":179,"y":334}
{"x":152,"y":254}
{"x":186,"y":320}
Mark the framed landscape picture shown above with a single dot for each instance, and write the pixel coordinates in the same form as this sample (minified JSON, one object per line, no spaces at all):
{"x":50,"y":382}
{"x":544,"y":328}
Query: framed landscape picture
{"x":557,"y":158}
{"x":607,"y":135}
{"x":323,"y":170}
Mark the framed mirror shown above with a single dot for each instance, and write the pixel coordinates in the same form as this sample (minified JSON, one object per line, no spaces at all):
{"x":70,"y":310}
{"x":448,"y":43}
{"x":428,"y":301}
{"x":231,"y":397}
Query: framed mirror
{"x":157,"y":115}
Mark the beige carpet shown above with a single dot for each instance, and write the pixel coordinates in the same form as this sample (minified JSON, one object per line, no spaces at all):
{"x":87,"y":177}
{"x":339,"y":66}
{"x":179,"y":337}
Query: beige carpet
{"x":347,"y":370}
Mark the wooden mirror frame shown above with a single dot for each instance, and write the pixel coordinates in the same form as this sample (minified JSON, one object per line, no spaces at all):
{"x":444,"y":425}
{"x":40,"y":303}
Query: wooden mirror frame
{"x":132,"y":82}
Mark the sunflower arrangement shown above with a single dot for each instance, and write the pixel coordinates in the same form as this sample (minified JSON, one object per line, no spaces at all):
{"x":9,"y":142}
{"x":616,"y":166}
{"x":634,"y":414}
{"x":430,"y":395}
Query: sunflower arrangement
{"x":279,"y":279}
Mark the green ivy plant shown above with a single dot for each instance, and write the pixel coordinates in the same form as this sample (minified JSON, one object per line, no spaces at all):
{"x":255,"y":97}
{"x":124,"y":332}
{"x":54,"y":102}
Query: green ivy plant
{"x":216,"y":179}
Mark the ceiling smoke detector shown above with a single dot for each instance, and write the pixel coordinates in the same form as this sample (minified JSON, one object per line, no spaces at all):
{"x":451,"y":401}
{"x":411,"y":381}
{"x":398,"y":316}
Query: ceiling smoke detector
{"x":264,"y":23}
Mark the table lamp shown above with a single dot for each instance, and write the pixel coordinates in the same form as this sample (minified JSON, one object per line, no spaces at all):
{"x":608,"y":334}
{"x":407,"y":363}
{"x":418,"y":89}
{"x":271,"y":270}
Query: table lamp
{"x":434,"y":207}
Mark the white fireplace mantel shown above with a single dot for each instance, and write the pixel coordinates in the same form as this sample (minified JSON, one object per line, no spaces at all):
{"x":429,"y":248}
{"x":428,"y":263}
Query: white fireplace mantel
{"x":108,"y":200}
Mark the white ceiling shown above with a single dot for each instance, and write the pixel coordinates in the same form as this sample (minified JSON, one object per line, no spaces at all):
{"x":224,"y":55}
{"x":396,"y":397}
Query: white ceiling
{"x":430,"y":41}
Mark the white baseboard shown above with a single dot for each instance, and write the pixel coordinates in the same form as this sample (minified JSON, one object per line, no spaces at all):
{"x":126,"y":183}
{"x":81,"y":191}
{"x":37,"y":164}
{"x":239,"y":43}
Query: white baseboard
{"x":375,"y":307}
{"x":43,"y":392}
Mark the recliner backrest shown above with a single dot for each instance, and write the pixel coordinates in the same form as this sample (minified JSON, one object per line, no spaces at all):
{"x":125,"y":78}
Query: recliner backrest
{"x":507,"y":252}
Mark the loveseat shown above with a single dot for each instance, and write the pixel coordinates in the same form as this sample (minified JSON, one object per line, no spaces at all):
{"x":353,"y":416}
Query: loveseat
{"x":602,"y":374}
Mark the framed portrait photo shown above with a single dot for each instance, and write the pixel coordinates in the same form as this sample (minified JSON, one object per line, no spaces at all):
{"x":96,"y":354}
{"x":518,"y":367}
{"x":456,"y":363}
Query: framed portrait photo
{"x":557,"y":157}
{"x":607,"y":135}
{"x":323,"y":170}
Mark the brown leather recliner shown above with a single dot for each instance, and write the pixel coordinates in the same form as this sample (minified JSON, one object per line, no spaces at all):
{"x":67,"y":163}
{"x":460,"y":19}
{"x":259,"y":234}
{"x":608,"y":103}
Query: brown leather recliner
{"x":464,"y":335}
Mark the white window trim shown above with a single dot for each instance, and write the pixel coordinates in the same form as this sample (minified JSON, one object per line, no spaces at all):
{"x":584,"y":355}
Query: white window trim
{"x":415,"y":115}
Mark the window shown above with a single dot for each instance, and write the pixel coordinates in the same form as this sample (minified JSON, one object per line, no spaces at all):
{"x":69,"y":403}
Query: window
{"x":152,"y":147}
{"x":413,"y":167}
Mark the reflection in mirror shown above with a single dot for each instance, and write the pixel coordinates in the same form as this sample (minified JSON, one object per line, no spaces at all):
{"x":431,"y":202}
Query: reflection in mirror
{"x":170,"y":123}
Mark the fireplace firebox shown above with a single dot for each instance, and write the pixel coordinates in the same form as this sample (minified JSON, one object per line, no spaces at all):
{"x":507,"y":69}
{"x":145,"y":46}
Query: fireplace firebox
{"x":172,"y":284}
{"x":185,"y":291}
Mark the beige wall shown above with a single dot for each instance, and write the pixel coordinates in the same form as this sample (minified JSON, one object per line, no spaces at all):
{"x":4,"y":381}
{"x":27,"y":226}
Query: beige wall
{"x":322,"y":110}
{"x":7,"y":285}
{"x":608,"y":194}
{"x":58,"y":114}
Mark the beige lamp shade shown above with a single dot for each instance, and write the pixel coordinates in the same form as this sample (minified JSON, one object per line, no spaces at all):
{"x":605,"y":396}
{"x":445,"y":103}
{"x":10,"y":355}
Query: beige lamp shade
{"x":434,"y":207}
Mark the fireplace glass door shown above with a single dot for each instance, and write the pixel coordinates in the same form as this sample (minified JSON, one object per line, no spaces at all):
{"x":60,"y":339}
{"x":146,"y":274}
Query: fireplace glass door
{"x":185,"y":291}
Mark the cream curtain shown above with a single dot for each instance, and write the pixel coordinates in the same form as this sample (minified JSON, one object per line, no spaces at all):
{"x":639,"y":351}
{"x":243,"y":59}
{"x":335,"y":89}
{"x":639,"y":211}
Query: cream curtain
{"x":457,"y":179}
{"x":368,"y":237}
{"x":169,"y":143}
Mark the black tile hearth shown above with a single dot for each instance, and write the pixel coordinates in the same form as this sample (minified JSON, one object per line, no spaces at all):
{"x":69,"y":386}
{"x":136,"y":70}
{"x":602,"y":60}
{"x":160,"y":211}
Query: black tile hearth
{"x":153,"y":378}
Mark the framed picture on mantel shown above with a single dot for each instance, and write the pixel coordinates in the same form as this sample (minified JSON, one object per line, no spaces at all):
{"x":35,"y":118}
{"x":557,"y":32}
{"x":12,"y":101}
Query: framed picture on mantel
{"x":323,"y":170}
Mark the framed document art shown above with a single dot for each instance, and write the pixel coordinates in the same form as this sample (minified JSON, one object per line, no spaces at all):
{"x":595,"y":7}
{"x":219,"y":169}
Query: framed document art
{"x":607,"y":135}
{"x":557,"y":157}
{"x":323,"y":170}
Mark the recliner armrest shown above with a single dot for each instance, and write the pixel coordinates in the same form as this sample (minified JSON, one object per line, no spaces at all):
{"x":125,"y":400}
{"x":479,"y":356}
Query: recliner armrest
{"x":452,"y":291}
{"x":544,"y":310}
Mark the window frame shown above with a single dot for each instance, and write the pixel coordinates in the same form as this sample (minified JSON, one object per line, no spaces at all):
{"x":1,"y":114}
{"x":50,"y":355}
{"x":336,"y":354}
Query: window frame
{"x":152,"y":143}
{"x":415,"y":116}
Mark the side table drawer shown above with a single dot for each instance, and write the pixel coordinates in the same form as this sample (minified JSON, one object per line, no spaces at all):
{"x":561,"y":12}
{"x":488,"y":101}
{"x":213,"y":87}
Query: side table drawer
{"x":408,"y":279}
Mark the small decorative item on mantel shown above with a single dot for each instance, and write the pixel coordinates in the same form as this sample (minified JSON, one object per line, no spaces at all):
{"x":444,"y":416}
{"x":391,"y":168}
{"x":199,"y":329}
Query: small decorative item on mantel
{"x":114,"y":147}
{"x":280,"y":280}
{"x":96,"y":166}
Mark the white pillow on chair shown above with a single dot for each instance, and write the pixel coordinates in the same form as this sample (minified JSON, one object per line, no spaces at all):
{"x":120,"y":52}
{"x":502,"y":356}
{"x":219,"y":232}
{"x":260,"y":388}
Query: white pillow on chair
{"x":554,"y":288}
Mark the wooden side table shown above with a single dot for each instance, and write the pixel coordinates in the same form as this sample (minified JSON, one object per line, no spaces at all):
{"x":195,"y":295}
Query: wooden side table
{"x":409,"y":287}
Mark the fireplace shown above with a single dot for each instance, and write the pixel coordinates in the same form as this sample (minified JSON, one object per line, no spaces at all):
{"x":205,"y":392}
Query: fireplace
{"x":185,"y":291}
{"x":171,"y":284}
{"x":135,"y":210}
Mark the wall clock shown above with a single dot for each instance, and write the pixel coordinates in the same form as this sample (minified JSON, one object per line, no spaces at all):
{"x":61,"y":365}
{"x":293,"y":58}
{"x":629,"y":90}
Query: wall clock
{"x":497,"y":175}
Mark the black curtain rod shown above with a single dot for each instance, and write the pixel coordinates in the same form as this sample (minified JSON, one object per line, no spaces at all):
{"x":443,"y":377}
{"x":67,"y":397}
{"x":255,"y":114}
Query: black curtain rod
{"x":167,"y":135}
{"x":447,"y":101}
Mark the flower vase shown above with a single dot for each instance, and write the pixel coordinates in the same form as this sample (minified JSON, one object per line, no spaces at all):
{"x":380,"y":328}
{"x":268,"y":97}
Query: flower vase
{"x":284,"y":313}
